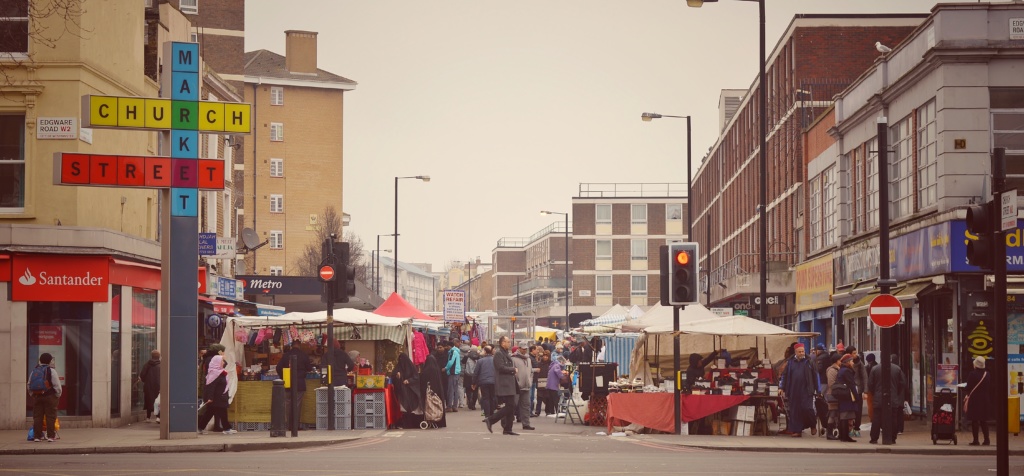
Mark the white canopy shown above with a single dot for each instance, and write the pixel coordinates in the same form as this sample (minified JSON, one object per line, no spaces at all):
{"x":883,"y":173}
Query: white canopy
{"x":635,"y":312}
{"x":659,"y":315}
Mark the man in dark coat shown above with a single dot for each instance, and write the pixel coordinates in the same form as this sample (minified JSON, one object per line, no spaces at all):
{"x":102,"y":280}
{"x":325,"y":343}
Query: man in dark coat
{"x":149,"y":376}
{"x":798,"y":386}
{"x":299,"y":377}
{"x":897,"y":390}
{"x":504,"y":387}
{"x":341,"y":365}
{"x":978,"y":400}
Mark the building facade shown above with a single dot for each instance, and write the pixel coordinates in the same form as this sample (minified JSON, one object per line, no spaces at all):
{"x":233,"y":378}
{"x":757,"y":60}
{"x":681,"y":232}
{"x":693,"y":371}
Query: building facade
{"x":416,"y":283}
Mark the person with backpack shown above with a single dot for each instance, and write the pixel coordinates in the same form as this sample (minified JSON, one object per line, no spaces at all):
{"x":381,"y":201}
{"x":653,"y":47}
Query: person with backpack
{"x":468,"y":377}
{"x":44,"y":389}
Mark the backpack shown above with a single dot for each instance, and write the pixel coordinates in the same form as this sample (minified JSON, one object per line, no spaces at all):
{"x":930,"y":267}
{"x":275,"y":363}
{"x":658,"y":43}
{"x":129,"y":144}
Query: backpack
{"x":39,"y":380}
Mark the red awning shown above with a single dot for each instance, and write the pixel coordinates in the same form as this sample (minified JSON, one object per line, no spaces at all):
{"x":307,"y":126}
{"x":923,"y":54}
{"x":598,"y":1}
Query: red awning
{"x":220,"y":307}
{"x":395,"y":306}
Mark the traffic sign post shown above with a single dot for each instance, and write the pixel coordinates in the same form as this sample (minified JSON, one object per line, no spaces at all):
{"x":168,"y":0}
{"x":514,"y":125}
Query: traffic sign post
{"x":885,"y":310}
{"x":326,"y":273}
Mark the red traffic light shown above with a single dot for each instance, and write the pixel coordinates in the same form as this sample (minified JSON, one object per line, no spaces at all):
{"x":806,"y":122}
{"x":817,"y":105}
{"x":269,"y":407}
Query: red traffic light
{"x":683,"y":258}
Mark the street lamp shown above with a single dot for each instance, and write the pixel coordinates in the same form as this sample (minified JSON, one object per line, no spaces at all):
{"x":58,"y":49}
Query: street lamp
{"x":545,"y":212}
{"x":376,"y":272}
{"x":425,"y":178}
{"x":648,"y":117}
{"x":762,"y":154}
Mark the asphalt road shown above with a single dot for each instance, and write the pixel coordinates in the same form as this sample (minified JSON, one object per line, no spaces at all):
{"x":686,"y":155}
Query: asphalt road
{"x":465,"y":447}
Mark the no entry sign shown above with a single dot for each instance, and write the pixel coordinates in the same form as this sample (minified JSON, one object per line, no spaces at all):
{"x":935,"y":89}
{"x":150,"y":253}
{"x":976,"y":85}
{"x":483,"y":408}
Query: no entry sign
{"x":326,"y":273}
{"x":885,"y":310}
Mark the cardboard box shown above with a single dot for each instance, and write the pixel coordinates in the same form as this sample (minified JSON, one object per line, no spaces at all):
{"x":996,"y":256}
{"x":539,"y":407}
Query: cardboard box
{"x":369,"y":381}
{"x":745,"y":413}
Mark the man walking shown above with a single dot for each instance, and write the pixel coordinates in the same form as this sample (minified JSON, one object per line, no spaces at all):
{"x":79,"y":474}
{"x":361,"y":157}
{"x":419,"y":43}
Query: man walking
{"x":44,"y":389}
{"x":524,"y":377}
{"x":452,"y":369}
{"x":484,"y":380}
{"x":798,"y":386}
{"x":504,"y":388}
{"x":897,"y":390}
{"x":469,"y":377}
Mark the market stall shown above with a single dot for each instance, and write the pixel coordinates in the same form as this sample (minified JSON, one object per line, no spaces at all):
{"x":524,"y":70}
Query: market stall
{"x":254,"y":346}
{"x":752,"y":344}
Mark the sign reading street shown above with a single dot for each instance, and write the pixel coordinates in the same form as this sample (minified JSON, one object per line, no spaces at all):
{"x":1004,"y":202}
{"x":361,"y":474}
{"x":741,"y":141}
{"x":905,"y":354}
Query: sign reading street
{"x":885,"y":310}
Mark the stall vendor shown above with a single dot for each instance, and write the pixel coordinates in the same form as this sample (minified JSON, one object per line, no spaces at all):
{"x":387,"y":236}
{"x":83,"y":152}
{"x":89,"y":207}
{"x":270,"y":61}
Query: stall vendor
{"x":341,"y":365}
{"x":697,"y":365}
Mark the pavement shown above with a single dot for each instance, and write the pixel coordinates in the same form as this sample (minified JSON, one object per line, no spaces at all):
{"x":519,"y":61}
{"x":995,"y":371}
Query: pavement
{"x":145,"y":438}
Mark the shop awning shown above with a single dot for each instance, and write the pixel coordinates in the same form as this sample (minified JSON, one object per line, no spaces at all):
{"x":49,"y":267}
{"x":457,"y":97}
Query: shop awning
{"x":848,"y":295}
{"x":219,"y":307}
{"x":910,"y":291}
{"x":859,"y":308}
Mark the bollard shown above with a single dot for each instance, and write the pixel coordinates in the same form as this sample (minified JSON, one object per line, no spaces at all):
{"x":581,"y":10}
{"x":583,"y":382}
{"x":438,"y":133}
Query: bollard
{"x":293,"y":410}
{"x":277,"y":409}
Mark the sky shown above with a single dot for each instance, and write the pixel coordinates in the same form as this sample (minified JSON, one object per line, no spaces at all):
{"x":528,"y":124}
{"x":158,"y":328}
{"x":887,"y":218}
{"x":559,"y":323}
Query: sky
{"x":510,"y":105}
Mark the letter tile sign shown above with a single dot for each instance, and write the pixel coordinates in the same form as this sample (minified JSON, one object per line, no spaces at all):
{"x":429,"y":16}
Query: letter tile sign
{"x":180,"y":174}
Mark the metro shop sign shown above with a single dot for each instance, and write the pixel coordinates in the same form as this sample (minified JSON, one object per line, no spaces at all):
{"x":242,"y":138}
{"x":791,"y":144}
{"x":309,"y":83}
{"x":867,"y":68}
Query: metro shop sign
{"x":60,"y":278}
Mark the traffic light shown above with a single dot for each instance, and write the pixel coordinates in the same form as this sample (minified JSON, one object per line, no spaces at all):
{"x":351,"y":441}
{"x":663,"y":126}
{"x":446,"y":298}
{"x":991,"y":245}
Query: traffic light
{"x":346,"y":282}
{"x":980,"y":221}
{"x":683,"y":266}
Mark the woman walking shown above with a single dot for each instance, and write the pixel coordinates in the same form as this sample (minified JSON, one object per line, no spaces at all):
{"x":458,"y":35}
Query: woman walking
{"x":215,"y":397}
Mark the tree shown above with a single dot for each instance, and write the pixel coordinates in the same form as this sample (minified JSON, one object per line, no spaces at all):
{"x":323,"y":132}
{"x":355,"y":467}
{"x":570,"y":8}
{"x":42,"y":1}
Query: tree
{"x":328,"y":223}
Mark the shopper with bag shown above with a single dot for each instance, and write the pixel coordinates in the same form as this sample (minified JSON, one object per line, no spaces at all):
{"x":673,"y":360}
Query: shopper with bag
{"x":978,"y":400}
{"x":215,"y":397}
{"x":845,"y":391}
{"x":149,"y":377}
{"x":44,"y":389}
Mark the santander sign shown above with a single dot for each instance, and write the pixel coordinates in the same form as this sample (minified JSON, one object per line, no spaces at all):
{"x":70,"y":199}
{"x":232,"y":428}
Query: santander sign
{"x":60,"y":278}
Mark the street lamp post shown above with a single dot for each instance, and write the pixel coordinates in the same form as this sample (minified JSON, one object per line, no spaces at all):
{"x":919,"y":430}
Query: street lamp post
{"x":376,"y":264}
{"x":648,"y":117}
{"x":762,"y":154}
{"x":425,"y":178}
{"x":545,"y":212}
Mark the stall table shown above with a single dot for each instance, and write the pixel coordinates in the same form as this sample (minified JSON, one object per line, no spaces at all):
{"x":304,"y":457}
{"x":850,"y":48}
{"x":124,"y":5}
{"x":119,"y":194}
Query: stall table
{"x":251,"y":403}
{"x":654,"y":410}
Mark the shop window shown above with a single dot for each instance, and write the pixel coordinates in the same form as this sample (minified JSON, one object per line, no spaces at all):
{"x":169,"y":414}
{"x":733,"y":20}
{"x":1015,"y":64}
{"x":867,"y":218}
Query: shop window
{"x":115,"y":351}
{"x":12,"y":160}
{"x":14,"y":27}
{"x":64,"y":330}
{"x":143,"y":314}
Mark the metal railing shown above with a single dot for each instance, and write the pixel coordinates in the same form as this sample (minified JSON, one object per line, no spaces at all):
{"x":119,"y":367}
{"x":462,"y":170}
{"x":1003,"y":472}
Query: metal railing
{"x":631,"y":190}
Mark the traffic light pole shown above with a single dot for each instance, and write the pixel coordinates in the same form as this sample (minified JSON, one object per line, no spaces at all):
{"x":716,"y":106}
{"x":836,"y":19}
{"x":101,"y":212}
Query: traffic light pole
{"x":1000,"y":318}
{"x":330,"y":337}
{"x":675,"y":370}
{"x":885,"y":283}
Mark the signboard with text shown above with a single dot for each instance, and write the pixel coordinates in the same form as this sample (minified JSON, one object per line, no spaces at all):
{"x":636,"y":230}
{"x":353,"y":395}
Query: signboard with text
{"x":60,"y":278}
{"x":454,"y":305}
{"x":56,"y":128}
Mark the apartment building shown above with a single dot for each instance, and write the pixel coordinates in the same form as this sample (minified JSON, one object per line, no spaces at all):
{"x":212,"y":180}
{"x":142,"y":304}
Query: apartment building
{"x":293,"y":161}
{"x":817,"y":57}
{"x":417,"y":283}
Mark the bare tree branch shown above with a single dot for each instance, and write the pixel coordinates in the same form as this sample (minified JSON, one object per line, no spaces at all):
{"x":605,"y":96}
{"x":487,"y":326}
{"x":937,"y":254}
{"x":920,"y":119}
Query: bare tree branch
{"x":329,"y":222}
{"x":27,"y":25}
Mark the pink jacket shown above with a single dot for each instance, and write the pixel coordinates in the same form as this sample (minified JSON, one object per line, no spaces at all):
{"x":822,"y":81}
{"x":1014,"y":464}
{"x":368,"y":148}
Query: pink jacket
{"x":419,"y":348}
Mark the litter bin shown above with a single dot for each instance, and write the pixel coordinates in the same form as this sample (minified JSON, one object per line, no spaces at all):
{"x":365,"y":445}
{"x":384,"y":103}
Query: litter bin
{"x":1013,"y":414}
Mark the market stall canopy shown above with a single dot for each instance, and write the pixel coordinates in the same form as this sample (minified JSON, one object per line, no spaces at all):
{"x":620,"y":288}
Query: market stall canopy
{"x":745,"y":337}
{"x":660,"y":315}
{"x":396,"y":306}
{"x":610,"y":320}
{"x":541,"y":332}
{"x":635,"y":312}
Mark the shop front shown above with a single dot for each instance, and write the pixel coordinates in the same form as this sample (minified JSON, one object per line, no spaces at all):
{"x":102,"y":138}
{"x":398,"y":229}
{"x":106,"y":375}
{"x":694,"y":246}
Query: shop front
{"x":95,"y":314}
{"x":813,"y":301}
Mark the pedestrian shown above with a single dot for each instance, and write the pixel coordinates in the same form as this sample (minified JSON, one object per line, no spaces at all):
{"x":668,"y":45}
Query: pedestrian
{"x":861,"y":373}
{"x":897,"y":390}
{"x":535,"y":353}
{"x":298,"y":376}
{"x":469,"y":377}
{"x":406,"y":379}
{"x":484,"y":380}
{"x":44,"y":389}
{"x":780,"y":367}
{"x":452,"y":369}
{"x":504,"y":388}
{"x":831,"y":375}
{"x":431,"y":378}
{"x":847,"y":403}
{"x":524,"y":377}
{"x":341,"y":365}
{"x":871,"y":363}
{"x":149,"y":377}
{"x":798,"y":386}
{"x":977,"y":403}
{"x":554,"y":385}
{"x":821,"y":363}
{"x":542,"y":383}
{"x":215,"y":396}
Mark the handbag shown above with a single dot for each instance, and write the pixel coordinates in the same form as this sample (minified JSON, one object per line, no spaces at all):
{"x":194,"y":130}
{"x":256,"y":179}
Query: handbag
{"x":968,"y":397}
{"x":841,"y":392}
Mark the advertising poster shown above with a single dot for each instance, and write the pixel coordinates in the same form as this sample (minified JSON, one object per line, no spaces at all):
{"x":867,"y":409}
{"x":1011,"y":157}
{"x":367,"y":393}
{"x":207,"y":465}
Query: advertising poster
{"x":946,"y":377}
{"x":1015,"y":369}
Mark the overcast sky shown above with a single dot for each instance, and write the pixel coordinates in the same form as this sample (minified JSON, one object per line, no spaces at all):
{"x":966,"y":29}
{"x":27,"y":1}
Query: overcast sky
{"x":510,"y":105}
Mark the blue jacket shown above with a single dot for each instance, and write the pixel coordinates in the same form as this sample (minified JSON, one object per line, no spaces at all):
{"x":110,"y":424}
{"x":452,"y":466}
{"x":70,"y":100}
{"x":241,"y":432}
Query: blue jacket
{"x":454,"y":365}
{"x":485,"y":370}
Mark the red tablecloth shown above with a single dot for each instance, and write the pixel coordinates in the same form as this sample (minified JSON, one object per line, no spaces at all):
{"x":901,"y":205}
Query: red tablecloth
{"x":654,"y":410}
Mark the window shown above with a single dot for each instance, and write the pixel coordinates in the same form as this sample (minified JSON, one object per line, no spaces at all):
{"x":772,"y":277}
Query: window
{"x":857,"y":189}
{"x":603,"y":249}
{"x":14,"y":27}
{"x":193,"y":37}
{"x":189,"y":6}
{"x":276,"y":167}
{"x":276,"y":96}
{"x":927,"y":162}
{"x":12,"y":162}
{"x":1007,"y":106}
{"x":828,"y":206}
{"x":815,"y":212}
{"x":638,"y":285}
{"x":674,"y":212}
{"x":902,"y":169}
{"x":277,"y":270}
{"x":143,"y":313}
{"x":276,"y":239}
{"x":638,"y":213}
{"x":638,"y":249}
{"x":872,"y":183}
{"x":603,"y":213}
{"x":276,"y":132}
{"x":603,"y":285}
{"x":277,"y":203}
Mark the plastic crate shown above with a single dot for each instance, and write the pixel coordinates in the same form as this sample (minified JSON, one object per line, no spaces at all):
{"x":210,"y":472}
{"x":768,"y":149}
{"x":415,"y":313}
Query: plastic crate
{"x":369,"y":397}
{"x":342,"y":401}
{"x":252,"y":426}
{"x":340,"y":423}
{"x":369,"y":408}
{"x":369,"y":422}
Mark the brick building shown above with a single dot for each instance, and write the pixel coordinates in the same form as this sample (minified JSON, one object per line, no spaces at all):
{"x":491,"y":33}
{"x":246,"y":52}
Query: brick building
{"x":816,"y":58}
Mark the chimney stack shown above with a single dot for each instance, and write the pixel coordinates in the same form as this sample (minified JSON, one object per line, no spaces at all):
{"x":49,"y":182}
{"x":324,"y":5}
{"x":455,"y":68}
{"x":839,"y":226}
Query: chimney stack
{"x":300,"y":51}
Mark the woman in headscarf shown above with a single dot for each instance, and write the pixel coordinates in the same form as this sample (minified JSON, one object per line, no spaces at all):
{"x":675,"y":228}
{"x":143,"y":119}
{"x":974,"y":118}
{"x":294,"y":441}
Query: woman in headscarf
{"x":430,"y":377}
{"x":406,"y":380}
{"x":215,"y":396}
{"x":978,"y":402}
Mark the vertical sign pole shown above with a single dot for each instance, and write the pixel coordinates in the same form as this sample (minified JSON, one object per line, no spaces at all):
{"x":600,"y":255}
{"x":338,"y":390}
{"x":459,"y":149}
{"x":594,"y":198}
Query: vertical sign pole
{"x":1000,"y":358}
{"x":675,"y":371}
{"x":884,"y":282}
{"x":179,"y":297}
{"x":331,"y":287}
